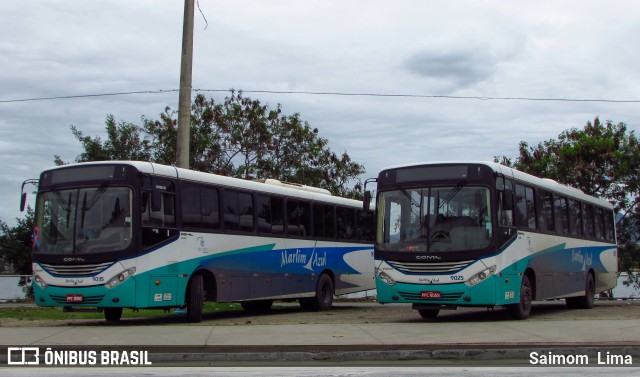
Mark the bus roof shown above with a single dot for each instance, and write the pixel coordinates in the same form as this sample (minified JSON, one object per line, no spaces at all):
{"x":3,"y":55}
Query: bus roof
{"x":517,"y":175}
{"x":271,"y":186}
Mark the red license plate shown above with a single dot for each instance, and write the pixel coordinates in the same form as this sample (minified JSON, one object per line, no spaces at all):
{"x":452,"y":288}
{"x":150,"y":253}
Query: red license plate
{"x":431,"y":294}
{"x":74,"y":298}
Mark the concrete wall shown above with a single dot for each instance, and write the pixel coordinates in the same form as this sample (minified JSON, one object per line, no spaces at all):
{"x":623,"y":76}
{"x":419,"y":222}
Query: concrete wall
{"x":10,"y":289}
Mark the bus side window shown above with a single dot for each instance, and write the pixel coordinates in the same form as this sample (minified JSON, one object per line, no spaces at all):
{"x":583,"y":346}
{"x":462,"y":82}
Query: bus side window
{"x":238,"y":211}
{"x":345,"y":223}
{"x":269,"y":214}
{"x":599,"y":223}
{"x":561,"y":215}
{"x":575,"y":218}
{"x":609,"y":227}
{"x":504,"y":189}
{"x":587,"y":216}
{"x":545,"y":211}
{"x":365,"y":225}
{"x":318,"y":221}
{"x":163,"y":217}
{"x":525,"y":207}
{"x":210,"y":208}
{"x":298,"y":218}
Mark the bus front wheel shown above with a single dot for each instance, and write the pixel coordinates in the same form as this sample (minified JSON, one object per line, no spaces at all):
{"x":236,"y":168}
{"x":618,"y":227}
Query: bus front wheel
{"x":522,"y":309}
{"x":428,"y":313}
{"x":112,"y":314}
{"x":195,"y":299}
{"x":323,"y":298}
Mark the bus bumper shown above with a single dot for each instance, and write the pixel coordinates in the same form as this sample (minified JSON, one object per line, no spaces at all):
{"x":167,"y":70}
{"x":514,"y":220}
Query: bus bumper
{"x":487,"y":293}
{"x":96,"y":296}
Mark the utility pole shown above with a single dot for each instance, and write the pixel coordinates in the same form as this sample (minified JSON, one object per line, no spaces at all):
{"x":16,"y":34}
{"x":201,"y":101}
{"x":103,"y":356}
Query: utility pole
{"x":184,"y":101}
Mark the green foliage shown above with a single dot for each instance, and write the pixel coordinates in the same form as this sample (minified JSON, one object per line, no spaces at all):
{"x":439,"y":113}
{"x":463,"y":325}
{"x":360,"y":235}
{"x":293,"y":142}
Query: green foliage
{"x":15,"y":243}
{"x":603,"y":160}
{"x":239,"y":137}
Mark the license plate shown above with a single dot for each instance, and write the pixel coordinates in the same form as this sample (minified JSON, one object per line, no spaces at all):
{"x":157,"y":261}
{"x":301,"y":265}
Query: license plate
{"x":431,"y":294}
{"x":74,"y":298}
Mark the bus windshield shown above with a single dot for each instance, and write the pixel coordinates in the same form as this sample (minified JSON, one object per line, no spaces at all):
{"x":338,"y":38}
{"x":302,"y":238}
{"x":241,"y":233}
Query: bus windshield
{"x":434,"y":219}
{"x":83,"y":220}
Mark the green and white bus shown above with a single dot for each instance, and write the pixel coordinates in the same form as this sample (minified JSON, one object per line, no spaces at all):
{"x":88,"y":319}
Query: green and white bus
{"x":126,"y":234}
{"x":480,"y":234}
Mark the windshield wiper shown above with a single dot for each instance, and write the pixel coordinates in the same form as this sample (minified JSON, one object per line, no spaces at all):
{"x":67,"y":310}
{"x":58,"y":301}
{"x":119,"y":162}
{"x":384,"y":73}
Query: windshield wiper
{"x":96,"y":195}
{"x":452,"y":194}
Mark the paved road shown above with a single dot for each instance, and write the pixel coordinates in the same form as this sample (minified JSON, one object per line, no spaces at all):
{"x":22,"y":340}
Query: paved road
{"x":353,"y":334}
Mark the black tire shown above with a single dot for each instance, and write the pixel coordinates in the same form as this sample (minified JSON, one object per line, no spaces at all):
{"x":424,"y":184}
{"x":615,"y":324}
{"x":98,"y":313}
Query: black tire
{"x":112,"y":314}
{"x":586,"y":301}
{"x":323,"y":298}
{"x":522,"y":309}
{"x":257,"y":306}
{"x":428,"y":313}
{"x":195,"y":299}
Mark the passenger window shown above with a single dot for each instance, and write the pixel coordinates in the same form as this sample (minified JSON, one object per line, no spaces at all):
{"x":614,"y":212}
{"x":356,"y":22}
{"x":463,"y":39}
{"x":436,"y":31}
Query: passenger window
{"x":238,"y":211}
{"x":345,"y":223}
{"x":609,"y":226}
{"x":545,"y":220}
{"x":270,"y":214}
{"x":575,"y":218}
{"x":561,"y":215}
{"x":504,"y":189}
{"x":199,"y":206}
{"x":298,"y":218}
{"x":587,"y":215}
{"x":365,"y":226}
{"x":525,"y":207}
{"x":599,"y":223}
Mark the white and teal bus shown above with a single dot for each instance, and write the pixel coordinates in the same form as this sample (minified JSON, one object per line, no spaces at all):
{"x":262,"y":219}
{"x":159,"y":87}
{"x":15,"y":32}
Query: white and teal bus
{"x":126,"y":234}
{"x":483,"y":235}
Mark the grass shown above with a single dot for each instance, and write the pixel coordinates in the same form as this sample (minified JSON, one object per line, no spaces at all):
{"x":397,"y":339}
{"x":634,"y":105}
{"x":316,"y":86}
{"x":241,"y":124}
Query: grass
{"x":56,"y":313}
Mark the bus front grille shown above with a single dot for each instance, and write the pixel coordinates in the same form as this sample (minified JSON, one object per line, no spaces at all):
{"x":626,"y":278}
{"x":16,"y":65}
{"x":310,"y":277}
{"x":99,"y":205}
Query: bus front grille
{"x":76,"y":269}
{"x":430,"y":267}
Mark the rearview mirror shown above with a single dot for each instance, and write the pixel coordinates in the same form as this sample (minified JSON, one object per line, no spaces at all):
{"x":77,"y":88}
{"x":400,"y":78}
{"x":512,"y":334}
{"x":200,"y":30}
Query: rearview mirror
{"x":23,"y":200}
{"x":367,"y":201}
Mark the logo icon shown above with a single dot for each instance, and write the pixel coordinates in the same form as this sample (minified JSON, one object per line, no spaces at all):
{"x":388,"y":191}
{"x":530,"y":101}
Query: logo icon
{"x":28,"y":356}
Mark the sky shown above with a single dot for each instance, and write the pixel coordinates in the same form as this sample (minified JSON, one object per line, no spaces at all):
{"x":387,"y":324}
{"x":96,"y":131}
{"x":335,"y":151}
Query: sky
{"x":453,"y":62}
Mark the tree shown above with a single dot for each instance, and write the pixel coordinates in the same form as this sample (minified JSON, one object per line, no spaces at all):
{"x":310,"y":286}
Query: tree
{"x":124,"y":142}
{"x":239,"y":137}
{"x":15,"y":243}
{"x":603,"y":160}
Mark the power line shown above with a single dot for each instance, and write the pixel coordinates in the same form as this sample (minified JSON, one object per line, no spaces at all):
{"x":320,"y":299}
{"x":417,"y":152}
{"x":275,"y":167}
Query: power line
{"x":344,"y":94}
{"x":89,"y":95}
{"x":483,"y":98}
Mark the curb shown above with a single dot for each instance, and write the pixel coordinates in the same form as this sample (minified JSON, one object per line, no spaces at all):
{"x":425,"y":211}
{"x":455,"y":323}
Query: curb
{"x":517,"y":355}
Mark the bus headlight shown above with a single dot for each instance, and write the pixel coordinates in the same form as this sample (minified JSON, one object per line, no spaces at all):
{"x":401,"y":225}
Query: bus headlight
{"x":386,"y":278}
{"x":481,"y":276}
{"x":40,"y":282}
{"x":121,"y":277}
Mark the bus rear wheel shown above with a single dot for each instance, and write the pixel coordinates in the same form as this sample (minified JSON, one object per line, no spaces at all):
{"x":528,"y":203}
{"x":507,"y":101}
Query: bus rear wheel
{"x":112,"y":314}
{"x":522,"y":309}
{"x":195,"y":299}
{"x":323,"y":298}
{"x":586,"y":301}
